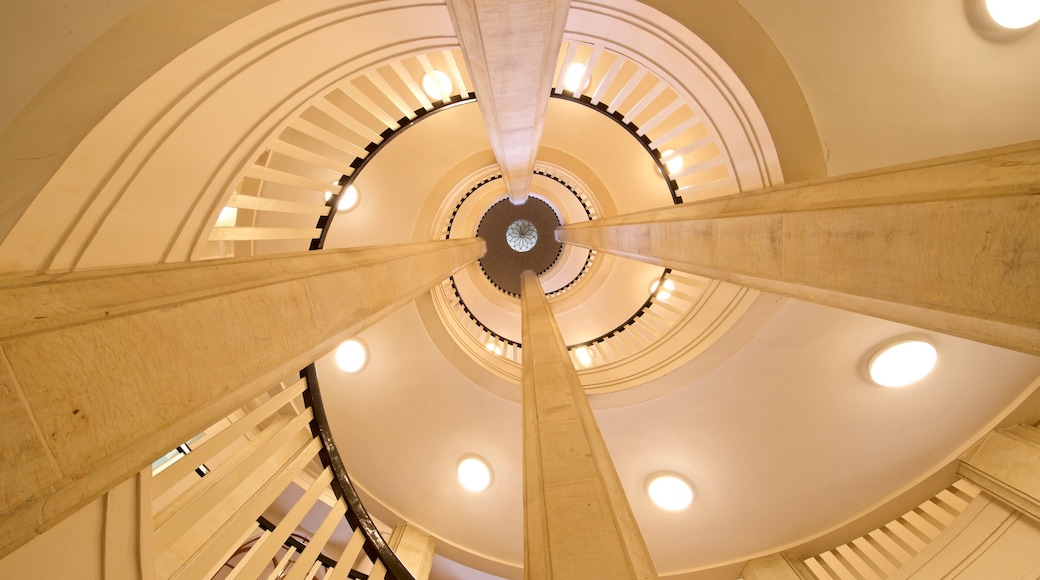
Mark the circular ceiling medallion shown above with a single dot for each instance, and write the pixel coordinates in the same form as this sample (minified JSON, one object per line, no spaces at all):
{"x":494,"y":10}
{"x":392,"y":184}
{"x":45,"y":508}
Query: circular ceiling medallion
{"x":519,"y":238}
{"x":521,"y":235}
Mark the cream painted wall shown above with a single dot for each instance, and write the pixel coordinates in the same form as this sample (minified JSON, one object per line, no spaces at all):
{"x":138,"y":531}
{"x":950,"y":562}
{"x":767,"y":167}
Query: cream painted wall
{"x":38,"y":37}
{"x":733,"y":32}
{"x":64,"y":91}
{"x":891,"y":81}
{"x":78,"y":539}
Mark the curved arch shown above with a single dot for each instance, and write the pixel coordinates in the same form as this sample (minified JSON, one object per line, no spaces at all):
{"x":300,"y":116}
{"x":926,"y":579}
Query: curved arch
{"x":690,"y":66}
{"x":44,"y":130}
{"x":728,"y":28}
{"x":180,"y":130}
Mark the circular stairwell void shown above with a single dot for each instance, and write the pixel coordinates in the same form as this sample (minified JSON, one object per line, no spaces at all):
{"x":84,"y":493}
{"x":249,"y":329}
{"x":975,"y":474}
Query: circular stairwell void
{"x":519,"y":237}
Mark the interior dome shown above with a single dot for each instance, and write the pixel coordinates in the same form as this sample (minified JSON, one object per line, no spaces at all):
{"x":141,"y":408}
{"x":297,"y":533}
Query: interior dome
{"x":237,"y":138}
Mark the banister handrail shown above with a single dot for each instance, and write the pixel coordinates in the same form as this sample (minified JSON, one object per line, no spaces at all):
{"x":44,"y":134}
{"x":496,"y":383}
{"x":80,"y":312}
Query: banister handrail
{"x":633,"y":130}
{"x":294,"y":541}
{"x":629,"y":322}
{"x":375,"y":545}
{"x":325,"y":221}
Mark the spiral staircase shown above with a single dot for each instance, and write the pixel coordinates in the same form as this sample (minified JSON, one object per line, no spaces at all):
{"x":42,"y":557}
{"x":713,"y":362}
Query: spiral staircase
{"x":265,"y":136}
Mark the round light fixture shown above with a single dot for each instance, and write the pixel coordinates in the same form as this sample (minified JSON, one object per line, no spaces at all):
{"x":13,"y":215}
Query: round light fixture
{"x":348,"y":199}
{"x":437,"y":85}
{"x":670,"y":492}
{"x":584,"y":355}
{"x":902,"y":363}
{"x":1014,"y":14}
{"x":474,"y":473}
{"x":572,"y":78}
{"x":351,"y":356}
{"x":662,"y":291}
{"x":672,"y":162}
{"x":227,"y":218}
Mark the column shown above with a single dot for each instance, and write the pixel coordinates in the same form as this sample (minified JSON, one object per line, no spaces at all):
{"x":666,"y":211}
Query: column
{"x":511,"y":48}
{"x":1006,"y":464}
{"x":577,"y":521}
{"x":775,"y":567}
{"x":413,"y":547}
{"x":950,"y":244}
{"x":103,"y":371}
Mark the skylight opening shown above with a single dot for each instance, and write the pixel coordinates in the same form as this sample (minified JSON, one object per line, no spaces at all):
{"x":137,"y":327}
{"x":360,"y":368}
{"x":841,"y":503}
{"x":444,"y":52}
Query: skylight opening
{"x":522,"y":236}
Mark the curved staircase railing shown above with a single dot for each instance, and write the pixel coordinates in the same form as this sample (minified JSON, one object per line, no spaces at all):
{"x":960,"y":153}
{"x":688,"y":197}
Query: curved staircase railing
{"x":272,"y":460}
{"x":319,"y":154}
{"x":882,"y":552}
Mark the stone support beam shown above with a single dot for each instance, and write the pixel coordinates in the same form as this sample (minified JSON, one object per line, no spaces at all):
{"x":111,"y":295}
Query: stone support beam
{"x":577,"y":521}
{"x":1006,"y":463}
{"x":103,"y":371}
{"x":950,"y":244}
{"x":511,"y":48}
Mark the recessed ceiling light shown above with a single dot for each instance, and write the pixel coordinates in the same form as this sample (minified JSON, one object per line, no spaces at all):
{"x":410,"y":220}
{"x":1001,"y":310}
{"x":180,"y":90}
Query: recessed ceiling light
{"x":437,"y":85}
{"x":902,"y":363}
{"x":227,"y":218}
{"x":584,"y":355}
{"x":572,"y":78}
{"x":474,"y":473}
{"x":672,"y":162}
{"x":1014,"y":14}
{"x":662,"y":291}
{"x":348,"y":199}
{"x":670,"y":492}
{"x":494,"y":347}
{"x":351,"y":356}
